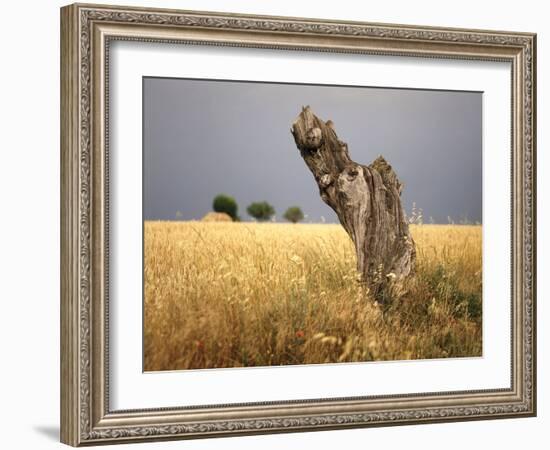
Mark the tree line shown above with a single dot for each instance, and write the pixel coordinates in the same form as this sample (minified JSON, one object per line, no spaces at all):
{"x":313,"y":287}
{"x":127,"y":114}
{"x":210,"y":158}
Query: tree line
{"x":261,"y":211}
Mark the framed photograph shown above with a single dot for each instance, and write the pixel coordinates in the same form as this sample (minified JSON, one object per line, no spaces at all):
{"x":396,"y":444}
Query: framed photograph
{"x":275,"y":224}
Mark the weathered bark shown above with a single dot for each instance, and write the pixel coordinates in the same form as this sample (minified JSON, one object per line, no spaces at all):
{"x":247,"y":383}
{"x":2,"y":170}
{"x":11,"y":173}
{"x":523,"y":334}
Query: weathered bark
{"x":367,"y":202}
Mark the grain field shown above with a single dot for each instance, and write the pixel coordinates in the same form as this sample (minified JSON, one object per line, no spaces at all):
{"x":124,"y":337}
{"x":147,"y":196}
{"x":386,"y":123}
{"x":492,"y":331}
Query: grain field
{"x":260,"y":294}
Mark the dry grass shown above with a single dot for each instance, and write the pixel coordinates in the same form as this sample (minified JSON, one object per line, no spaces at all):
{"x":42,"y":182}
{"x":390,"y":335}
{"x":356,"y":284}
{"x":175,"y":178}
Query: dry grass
{"x":243,"y":294}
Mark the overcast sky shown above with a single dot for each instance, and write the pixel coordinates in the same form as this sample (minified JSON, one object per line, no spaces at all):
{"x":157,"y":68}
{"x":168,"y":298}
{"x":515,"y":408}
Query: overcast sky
{"x":202,"y":138}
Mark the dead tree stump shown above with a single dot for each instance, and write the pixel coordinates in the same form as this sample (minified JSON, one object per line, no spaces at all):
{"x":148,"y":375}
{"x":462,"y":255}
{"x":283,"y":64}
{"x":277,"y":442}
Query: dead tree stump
{"x":367,"y":200}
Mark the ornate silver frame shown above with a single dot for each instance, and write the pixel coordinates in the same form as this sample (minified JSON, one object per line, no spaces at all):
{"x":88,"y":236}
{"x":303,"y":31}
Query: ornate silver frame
{"x":86,"y":31}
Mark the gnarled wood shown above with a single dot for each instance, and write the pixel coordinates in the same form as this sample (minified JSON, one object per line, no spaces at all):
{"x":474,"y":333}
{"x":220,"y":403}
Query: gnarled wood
{"x":367,"y":201}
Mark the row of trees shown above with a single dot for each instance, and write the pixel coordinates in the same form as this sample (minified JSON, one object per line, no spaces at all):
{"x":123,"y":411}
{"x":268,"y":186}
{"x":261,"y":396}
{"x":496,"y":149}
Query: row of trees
{"x":261,"y":211}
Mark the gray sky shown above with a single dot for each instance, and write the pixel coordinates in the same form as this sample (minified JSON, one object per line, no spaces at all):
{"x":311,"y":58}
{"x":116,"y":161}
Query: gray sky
{"x":202,"y":138}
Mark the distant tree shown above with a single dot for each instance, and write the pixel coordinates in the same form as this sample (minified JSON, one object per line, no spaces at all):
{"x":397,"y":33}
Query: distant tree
{"x":226,"y":204}
{"x":261,"y":211}
{"x":293,"y":214}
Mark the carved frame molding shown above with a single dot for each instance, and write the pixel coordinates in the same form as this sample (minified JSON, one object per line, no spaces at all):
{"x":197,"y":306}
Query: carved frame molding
{"x":86,"y":32}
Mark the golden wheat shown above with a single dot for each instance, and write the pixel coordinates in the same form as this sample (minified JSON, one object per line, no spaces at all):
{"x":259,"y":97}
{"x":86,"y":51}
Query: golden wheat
{"x":247,"y":294}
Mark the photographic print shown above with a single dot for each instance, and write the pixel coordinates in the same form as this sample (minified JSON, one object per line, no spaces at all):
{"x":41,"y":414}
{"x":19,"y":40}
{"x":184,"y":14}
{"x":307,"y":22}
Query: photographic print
{"x":291,"y":224}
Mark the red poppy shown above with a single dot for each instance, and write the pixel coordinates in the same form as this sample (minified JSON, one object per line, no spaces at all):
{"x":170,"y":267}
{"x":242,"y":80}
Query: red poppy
{"x":300,"y":334}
